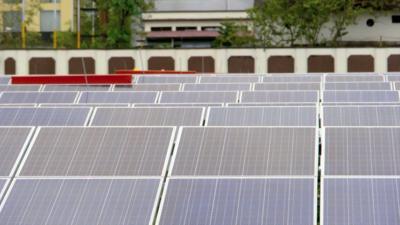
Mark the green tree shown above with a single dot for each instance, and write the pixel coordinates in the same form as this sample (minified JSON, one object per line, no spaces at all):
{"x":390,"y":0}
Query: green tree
{"x":276,"y":22}
{"x":343,"y":13}
{"x":315,"y":15}
{"x":120,"y":14}
{"x":234,"y":35}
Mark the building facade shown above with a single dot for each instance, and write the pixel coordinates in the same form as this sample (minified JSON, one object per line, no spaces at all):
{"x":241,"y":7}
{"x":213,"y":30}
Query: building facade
{"x":39,"y":15}
{"x":194,"y":23}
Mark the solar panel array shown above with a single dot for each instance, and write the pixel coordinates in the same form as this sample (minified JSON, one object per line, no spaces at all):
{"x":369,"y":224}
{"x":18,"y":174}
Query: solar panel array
{"x":203,"y":149}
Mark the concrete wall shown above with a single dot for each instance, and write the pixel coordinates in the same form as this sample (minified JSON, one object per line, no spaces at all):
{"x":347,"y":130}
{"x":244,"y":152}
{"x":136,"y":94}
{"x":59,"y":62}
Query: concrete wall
{"x":181,"y":57}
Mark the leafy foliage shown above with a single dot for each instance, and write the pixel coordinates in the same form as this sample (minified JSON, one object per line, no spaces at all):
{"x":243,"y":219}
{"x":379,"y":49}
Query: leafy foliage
{"x":233,"y":35}
{"x":120,"y":14}
{"x":301,"y":22}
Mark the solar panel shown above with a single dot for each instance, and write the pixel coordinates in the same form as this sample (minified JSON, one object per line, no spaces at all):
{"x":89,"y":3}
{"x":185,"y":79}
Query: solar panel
{"x":37,"y":97}
{"x":353,"y":78}
{"x":4,"y":80}
{"x":358,"y":86}
{"x":19,"y":88}
{"x":148,"y":87}
{"x":86,"y":105}
{"x":287,"y":86}
{"x":238,"y":201}
{"x":354,"y":74}
{"x":100,"y":151}
{"x":361,"y":116}
{"x":362,"y":151}
{"x":166,"y":79}
{"x":397,"y":86}
{"x":393,"y":78}
{"x":272,"y":104}
{"x":280,"y":96}
{"x":218,"y":87}
{"x":81,"y":201}
{"x":295,"y":78}
{"x":262,"y":116}
{"x":229,"y":79}
{"x":293,"y":74}
{"x":53,"y":87}
{"x":172,"y":116}
{"x":179,"y":105}
{"x":3,"y":184}
{"x":245,"y":151}
{"x":12,"y":143}
{"x":52,"y":116}
{"x":199,"y":97}
{"x":118,"y":97}
{"x":392,"y":74}
{"x":360,"y":104}
{"x":360,"y":96}
{"x":361,"y":201}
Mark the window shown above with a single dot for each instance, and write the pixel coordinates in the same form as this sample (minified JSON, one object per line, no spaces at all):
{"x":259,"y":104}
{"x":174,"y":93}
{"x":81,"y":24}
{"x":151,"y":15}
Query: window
{"x":12,"y":21}
{"x":47,"y":22}
{"x":210,"y":28}
{"x":396,"y":19}
{"x":161,"y":29}
{"x":186,"y":28}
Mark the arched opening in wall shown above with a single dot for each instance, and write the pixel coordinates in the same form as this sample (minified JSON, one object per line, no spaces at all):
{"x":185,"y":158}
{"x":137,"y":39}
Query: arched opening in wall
{"x":321,"y":64}
{"x":161,"y":63}
{"x":393,"y":63}
{"x":120,"y":63}
{"x":9,"y":66}
{"x":39,"y":65}
{"x":201,"y":64}
{"x":241,"y":64}
{"x":81,"y":65}
{"x":360,"y":63}
{"x":281,"y":64}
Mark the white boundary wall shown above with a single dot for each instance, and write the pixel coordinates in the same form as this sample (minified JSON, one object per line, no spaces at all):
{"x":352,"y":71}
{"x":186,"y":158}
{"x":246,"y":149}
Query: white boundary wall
{"x":181,"y":57}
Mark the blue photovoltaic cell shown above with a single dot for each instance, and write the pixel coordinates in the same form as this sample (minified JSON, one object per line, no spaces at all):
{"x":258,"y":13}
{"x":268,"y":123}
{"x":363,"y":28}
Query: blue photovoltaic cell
{"x":361,"y":201}
{"x":287,"y":86}
{"x":37,"y":97}
{"x":148,"y":87}
{"x":4,"y":80}
{"x":229,"y":79}
{"x":361,"y":116}
{"x":238,"y":201}
{"x":19,"y":87}
{"x":360,"y":96}
{"x":147,"y":116}
{"x":218,"y":87}
{"x":353,"y":78}
{"x":262,"y":116}
{"x":12,"y":141}
{"x":166,"y":79}
{"x":362,"y":151}
{"x":51,"y":116}
{"x":245,"y":151}
{"x":80,"y":201}
{"x":198,"y":97}
{"x":358,"y":86}
{"x":179,"y":105}
{"x":118,"y":97}
{"x":295,"y":78}
{"x":279,"y":96}
{"x":99,"y":151}
{"x":53,"y":87}
{"x":393,"y":78}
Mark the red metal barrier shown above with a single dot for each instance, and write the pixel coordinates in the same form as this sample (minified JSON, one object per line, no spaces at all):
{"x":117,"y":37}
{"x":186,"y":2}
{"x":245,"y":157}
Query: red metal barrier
{"x":72,"y":79}
{"x":153,"y":72}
